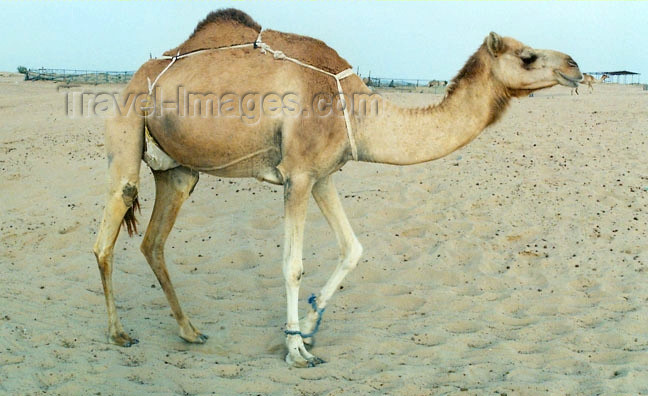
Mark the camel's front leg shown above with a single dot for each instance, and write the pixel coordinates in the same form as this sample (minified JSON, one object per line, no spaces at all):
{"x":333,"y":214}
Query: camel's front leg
{"x":329,"y":203}
{"x":296,"y":193}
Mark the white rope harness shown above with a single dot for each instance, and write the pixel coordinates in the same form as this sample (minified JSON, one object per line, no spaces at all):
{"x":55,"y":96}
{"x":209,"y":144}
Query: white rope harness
{"x":279,"y":55}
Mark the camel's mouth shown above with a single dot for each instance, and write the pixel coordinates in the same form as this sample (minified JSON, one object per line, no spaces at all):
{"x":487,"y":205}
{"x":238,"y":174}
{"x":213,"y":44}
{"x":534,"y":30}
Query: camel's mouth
{"x":566,"y":80}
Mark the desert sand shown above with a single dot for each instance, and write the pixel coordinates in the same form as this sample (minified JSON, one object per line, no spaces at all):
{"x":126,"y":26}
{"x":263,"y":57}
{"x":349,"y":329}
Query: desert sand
{"x":516,"y":265}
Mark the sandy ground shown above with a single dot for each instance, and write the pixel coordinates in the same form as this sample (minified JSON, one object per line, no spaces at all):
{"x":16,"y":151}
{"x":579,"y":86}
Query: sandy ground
{"x":517,"y":265}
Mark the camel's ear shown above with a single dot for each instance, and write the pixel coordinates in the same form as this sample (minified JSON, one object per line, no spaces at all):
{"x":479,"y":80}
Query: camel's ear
{"x":494,"y":44}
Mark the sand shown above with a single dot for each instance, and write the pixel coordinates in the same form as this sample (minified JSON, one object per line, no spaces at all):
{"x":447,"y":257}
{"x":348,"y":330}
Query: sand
{"x":517,"y":265}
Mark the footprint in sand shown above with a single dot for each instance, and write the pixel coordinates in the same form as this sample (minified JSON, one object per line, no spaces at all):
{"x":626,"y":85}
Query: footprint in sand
{"x":416,"y":232}
{"x":480,"y":341}
{"x":568,"y":366}
{"x":428,"y":339}
{"x":463,"y":327}
{"x":528,"y":348}
{"x":405,"y":303}
{"x":513,"y":314}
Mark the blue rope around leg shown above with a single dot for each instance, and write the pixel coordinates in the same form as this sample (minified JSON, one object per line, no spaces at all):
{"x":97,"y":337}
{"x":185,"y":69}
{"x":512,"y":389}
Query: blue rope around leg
{"x":312,"y":300}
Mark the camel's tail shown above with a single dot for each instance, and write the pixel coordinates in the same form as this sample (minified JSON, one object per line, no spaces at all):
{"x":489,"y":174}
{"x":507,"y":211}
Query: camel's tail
{"x":130,"y":221}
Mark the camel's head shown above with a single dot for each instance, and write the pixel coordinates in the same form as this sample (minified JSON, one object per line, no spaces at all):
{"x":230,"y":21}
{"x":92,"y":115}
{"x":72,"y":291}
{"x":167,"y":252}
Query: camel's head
{"x":525,"y":69}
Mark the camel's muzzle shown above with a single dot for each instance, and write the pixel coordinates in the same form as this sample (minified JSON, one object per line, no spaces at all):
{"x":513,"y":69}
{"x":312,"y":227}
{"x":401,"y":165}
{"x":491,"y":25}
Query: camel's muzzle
{"x":566,"y":80}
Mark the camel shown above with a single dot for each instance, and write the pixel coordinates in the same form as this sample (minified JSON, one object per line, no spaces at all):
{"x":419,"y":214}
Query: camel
{"x":588,"y":80}
{"x":300,"y":152}
{"x":437,"y":83}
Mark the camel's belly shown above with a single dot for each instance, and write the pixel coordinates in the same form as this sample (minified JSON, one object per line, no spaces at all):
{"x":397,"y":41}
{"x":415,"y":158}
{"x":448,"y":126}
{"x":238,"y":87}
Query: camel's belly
{"x":220,"y":147}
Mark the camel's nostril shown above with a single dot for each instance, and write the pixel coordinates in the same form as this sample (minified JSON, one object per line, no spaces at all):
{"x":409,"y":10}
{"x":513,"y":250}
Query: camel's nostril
{"x":572,"y":62}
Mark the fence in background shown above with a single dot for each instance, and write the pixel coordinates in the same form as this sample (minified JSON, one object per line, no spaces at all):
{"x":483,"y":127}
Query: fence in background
{"x":79,"y":76}
{"x":115,"y":77}
{"x":406,"y":84}
{"x":402,"y":82}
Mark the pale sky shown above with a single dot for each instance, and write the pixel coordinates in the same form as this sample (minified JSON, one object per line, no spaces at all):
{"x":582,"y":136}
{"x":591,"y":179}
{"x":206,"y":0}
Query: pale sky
{"x":427,"y":40}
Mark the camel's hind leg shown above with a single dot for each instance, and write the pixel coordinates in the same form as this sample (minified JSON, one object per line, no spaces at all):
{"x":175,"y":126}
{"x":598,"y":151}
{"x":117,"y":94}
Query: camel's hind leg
{"x":172,"y":187}
{"x":327,"y":199}
{"x":103,"y":249}
{"x":124,"y":140}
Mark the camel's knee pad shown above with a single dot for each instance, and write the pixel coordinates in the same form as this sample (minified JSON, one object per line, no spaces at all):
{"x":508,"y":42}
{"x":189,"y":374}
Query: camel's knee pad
{"x":129,"y":194}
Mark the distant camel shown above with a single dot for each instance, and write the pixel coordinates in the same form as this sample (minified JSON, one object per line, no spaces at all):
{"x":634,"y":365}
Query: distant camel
{"x":437,"y":83}
{"x":589,"y":80}
{"x":299,"y":152}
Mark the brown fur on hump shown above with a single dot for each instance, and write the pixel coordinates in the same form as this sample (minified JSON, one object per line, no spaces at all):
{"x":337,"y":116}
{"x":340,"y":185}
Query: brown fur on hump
{"x":227,"y":14}
{"x":229,"y":27}
{"x":221,"y":28}
{"x":473,"y":70}
{"x":306,"y":49}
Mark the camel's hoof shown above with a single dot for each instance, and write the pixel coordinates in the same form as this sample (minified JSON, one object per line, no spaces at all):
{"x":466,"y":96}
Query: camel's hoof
{"x":193,"y":336}
{"x":124,"y":340}
{"x":199,"y":339}
{"x":303,"y":363}
{"x":303,"y":360}
{"x":297,"y":355}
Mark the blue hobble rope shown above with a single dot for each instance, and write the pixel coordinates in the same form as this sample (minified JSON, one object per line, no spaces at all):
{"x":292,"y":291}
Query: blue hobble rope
{"x":312,"y":300}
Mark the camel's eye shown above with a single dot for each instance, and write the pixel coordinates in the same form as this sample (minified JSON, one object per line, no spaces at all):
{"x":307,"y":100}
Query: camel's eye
{"x":528,"y":58}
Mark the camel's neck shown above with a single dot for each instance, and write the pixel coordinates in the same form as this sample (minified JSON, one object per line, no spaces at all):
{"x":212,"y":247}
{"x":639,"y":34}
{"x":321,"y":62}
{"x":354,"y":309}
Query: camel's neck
{"x":410,"y":136}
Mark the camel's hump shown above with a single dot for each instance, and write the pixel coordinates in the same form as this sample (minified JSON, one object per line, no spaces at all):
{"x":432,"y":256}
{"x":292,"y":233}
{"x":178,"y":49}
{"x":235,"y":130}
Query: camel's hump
{"x":306,"y":49}
{"x":221,"y":28}
{"x":228,"y":27}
